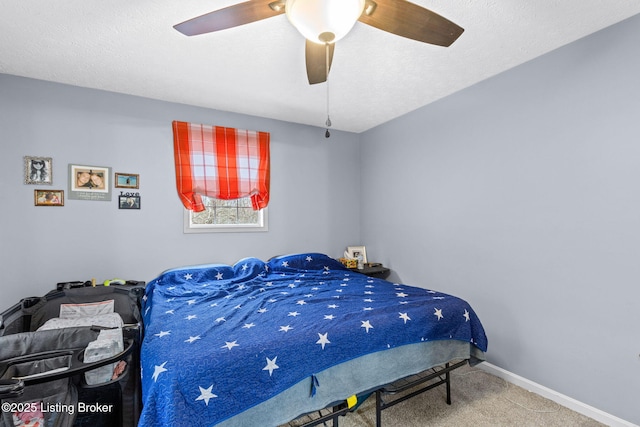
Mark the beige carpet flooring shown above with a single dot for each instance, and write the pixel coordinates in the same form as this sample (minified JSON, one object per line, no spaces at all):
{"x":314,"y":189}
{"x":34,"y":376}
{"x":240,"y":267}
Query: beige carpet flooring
{"x":478,"y":399}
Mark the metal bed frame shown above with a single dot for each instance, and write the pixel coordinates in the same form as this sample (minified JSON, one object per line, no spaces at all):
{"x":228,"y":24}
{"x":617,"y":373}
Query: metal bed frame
{"x":423,"y":380}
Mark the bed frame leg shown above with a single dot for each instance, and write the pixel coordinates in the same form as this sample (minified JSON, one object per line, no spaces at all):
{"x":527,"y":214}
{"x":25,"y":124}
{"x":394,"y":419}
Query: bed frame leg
{"x":378,"y":408}
{"x":448,"y":381}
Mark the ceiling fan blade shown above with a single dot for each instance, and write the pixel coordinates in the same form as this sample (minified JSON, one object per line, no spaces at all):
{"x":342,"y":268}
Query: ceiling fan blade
{"x":409,"y":20}
{"x":316,"y":58}
{"x":232,"y":16}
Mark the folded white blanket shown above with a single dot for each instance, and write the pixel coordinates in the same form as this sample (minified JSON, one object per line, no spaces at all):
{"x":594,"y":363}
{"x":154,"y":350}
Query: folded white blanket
{"x":110,"y":320}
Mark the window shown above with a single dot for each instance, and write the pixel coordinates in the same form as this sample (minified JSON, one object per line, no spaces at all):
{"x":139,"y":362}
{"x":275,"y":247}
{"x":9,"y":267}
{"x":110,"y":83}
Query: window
{"x":225,"y":216}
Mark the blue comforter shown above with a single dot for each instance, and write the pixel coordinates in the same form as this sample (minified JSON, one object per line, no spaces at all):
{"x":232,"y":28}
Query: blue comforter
{"x":220,"y":339}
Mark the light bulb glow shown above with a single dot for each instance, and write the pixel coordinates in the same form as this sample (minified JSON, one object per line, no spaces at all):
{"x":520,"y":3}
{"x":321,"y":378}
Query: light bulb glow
{"x":324,"y":21}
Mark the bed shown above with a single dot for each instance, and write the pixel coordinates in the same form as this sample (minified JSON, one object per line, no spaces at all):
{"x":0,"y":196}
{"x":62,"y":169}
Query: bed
{"x":262,"y":342}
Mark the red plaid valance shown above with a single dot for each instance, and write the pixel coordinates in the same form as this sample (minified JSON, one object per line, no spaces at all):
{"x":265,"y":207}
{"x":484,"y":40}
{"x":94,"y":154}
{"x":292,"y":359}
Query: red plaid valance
{"x":223,"y":163}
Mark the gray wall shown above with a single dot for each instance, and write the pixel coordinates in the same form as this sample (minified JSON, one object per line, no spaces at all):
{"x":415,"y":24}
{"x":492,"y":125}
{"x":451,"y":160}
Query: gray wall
{"x":40,"y":246}
{"x":521,"y":194}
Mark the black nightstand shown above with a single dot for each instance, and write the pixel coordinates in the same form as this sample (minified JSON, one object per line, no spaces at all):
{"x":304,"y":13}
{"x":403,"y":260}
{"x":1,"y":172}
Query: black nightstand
{"x":379,"y":271}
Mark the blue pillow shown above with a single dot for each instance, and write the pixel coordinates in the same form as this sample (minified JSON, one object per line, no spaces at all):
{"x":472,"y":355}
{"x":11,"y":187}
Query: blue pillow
{"x":304,"y":261}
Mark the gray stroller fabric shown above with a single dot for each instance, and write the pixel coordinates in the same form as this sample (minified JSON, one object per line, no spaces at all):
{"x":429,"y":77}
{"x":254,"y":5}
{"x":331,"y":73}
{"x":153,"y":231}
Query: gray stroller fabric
{"x":18,"y":345}
{"x":53,"y":402}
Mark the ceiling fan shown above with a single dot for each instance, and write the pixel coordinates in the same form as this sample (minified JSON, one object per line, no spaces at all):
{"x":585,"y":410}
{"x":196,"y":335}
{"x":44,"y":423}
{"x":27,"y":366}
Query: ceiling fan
{"x":324,"y":22}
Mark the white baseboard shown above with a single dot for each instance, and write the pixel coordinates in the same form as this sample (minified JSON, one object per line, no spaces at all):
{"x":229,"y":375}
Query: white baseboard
{"x":559,"y":398}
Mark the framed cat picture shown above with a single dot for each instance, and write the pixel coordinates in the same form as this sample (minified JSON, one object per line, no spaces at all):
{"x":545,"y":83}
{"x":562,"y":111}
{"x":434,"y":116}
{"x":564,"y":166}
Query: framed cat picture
{"x":38,"y":170}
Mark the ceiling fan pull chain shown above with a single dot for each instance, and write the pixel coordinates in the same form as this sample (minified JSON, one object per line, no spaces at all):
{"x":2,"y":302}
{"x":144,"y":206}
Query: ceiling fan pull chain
{"x":327,"y":134}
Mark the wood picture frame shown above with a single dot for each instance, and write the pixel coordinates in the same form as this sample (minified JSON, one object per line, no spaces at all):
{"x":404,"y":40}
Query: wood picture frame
{"x":126,"y":180}
{"x":48,"y":197}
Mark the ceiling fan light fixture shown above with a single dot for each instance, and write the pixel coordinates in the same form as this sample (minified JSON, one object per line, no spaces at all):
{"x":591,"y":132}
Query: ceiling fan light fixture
{"x":324,"y":21}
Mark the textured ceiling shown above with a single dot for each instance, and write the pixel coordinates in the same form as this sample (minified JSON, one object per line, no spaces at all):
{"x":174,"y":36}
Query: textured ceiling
{"x":258,"y":69}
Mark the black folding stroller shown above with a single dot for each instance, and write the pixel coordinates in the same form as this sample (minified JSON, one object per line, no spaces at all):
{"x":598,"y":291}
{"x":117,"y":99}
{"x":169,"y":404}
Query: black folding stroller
{"x":54,"y":373}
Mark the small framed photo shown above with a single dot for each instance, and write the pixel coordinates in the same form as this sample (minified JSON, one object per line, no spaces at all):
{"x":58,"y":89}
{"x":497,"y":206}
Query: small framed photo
{"x":48,"y":197}
{"x":356,"y":251}
{"x":129,"y":202}
{"x":38,"y":170}
{"x":89,"y":182}
{"x":127,"y":180}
